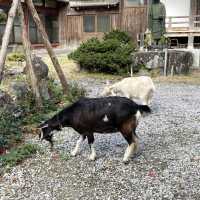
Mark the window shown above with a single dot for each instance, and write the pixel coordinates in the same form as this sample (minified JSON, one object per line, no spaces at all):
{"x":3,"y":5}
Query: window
{"x":96,"y":23}
{"x":16,"y":33}
{"x":103,"y":23}
{"x":51,"y":26}
{"x":34,"y":35}
{"x":134,"y":2}
{"x":89,"y":23}
{"x":50,"y":3}
{"x":2,"y":28}
{"x":38,"y":2}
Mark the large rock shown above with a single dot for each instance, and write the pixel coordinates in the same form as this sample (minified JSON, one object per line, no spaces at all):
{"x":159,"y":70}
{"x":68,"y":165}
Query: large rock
{"x":179,"y":62}
{"x":7,"y":103}
{"x":5,"y":99}
{"x":40,"y":68}
{"x":14,"y":71}
{"x":41,"y":71}
{"x":19,"y":90}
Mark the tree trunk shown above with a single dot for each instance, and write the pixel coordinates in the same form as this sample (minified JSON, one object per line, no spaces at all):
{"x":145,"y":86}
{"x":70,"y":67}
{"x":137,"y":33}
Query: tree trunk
{"x":47,"y":44}
{"x":27,"y":47}
{"x":6,"y":36}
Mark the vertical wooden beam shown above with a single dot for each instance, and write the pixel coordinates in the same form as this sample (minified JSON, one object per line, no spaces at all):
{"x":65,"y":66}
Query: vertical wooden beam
{"x":47,"y":44}
{"x":191,"y":17}
{"x":27,"y":47}
{"x":121,"y":13}
{"x":165,"y":62}
{"x":6,"y":36}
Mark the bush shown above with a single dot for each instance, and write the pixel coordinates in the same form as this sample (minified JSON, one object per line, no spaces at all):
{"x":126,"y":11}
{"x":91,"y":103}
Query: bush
{"x":17,"y":155}
{"x":16,"y":57}
{"x":10,"y":132}
{"x":3,"y":16}
{"x":111,"y":55}
{"x":75,"y":92}
{"x":11,"y":126}
{"x":122,"y":36}
{"x":28,"y":105}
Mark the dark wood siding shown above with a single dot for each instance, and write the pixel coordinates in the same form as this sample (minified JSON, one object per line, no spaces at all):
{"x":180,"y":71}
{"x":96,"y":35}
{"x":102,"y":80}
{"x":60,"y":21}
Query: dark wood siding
{"x":71,"y":24}
{"x":134,"y":20}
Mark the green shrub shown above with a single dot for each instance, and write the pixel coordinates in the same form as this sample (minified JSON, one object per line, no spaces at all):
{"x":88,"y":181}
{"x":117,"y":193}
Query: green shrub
{"x":17,"y":155}
{"x":16,"y":57}
{"x":111,"y":55}
{"x":122,"y":36}
{"x":11,"y":127}
{"x":10,"y":131}
{"x":30,"y":110}
{"x":3,"y":16}
{"x":75,"y":92}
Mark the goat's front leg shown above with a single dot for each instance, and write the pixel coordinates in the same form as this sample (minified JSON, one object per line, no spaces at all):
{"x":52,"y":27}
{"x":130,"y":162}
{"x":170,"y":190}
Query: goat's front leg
{"x":92,"y":147}
{"x":78,"y":144}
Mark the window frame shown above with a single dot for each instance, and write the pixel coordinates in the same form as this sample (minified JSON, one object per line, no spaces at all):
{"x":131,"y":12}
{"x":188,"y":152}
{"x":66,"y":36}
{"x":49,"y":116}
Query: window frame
{"x":94,"y":28}
{"x":44,"y":18}
{"x":137,"y":5}
{"x":13,"y":37}
{"x":96,"y":22}
{"x":109,"y":21}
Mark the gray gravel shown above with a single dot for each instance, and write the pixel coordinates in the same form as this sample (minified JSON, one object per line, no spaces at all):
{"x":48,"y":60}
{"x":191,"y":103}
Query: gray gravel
{"x":167,"y":167}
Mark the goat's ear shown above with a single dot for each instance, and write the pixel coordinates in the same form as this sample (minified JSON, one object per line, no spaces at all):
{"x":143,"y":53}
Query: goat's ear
{"x":44,"y":126}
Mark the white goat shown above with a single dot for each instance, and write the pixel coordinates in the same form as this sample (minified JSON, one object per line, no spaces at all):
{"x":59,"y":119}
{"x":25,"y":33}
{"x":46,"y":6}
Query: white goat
{"x":135,"y":88}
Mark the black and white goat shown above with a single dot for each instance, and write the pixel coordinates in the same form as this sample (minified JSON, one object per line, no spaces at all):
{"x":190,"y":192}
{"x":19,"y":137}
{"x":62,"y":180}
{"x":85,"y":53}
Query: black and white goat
{"x":101,"y":115}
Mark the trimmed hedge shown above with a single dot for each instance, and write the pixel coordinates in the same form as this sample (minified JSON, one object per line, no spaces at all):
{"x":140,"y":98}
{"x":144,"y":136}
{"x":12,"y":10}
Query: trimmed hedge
{"x":111,"y":55}
{"x":3,"y":16}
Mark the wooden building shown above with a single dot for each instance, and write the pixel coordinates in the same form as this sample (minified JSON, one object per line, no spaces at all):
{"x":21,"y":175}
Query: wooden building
{"x":183,"y":22}
{"x":81,"y":20}
{"x":48,"y":11}
{"x":69,"y":22}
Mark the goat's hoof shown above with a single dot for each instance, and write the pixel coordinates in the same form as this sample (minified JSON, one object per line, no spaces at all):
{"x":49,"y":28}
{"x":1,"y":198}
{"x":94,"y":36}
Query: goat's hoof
{"x":126,"y":161}
{"x":92,"y":157}
{"x":73,"y":153}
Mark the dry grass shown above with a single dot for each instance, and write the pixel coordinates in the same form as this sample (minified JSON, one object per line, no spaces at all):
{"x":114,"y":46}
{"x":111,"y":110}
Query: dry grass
{"x":69,"y":67}
{"x":192,"y":78}
{"x":72,"y":71}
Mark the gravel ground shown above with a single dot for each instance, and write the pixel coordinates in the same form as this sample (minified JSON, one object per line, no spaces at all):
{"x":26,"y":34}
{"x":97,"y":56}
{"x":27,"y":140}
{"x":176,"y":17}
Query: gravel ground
{"x":168,"y":166}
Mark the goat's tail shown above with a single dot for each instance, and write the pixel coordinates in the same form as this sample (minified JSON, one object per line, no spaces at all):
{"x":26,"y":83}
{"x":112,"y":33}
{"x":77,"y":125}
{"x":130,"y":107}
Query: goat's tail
{"x":144,"y":108}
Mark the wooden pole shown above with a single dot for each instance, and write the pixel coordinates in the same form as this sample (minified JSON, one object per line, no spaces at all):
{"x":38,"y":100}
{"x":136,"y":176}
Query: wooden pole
{"x":47,"y":44}
{"x":6,"y":36}
{"x":27,"y":50}
{"x":165,"y":62}
{"x":121,"y":13}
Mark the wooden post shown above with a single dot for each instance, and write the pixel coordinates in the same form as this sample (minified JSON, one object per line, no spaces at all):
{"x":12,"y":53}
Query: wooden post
{"x":165,"y":63}
{"x":172,"y":70}
{"x":27,"y":50}
{"x":6,"y":36}
{"x":121,"y":13}
{"x":47,"y":44}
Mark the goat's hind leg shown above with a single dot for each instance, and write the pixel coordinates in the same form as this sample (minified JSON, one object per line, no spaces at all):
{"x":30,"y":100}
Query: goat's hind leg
{"x":90,"y":138}
{"x":132,"y":148}
{"x":78,"y":144}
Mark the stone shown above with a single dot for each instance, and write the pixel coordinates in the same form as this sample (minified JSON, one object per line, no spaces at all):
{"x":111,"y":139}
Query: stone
{"x":5,"y":98}
{"x":19,"y":90}
{"x":14,"y":71}
{"x":41,"y":69}
{"x":179,"y":62}
{"x":43,"y":87}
